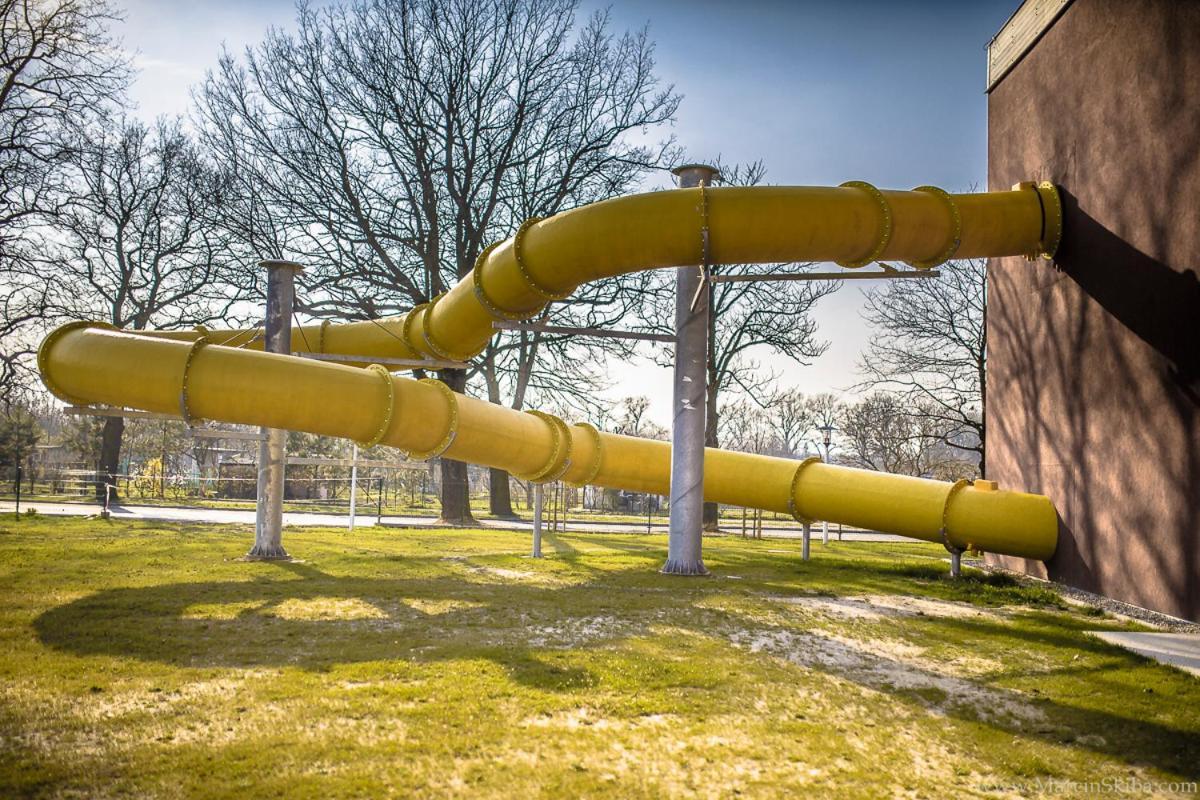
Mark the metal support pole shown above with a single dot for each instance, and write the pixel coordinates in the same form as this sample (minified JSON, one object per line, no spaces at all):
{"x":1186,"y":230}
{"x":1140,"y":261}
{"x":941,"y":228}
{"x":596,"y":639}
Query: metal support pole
{"x":538,"y":497}
{"x":18,"y":508}
{"x":955,"y":562}
{"x":353,"y":484}
{"x":379,"y":503}
{"x":824,"y":531}
{"x":684,"y":555}
{"x":806,"y":539}
{"x":272,"y":452}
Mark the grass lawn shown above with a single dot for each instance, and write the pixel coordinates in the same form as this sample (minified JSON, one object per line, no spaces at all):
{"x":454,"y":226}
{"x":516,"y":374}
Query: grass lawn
{"x":145,"y":659}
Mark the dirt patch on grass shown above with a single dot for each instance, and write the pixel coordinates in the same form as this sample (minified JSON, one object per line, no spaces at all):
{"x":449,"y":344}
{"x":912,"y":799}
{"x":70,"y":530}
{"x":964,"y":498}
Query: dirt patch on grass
{"x":586,"y":717}
{"x":435,"y":608}
{"x":887,"y":665}
{"x":876,"y":608}
{"x":840,"y":607}
{"x":576,"y":631}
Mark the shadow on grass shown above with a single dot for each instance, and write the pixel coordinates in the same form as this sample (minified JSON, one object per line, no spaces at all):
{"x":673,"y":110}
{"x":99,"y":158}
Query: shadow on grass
{"x":312,"y":620}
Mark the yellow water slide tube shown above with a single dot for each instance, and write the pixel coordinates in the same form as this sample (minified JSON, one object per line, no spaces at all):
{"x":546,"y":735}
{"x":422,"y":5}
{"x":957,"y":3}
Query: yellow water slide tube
{"x":220,"y":376}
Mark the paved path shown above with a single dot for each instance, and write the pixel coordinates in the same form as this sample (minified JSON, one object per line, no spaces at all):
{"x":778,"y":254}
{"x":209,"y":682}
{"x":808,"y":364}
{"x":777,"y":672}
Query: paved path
{"x":246,"y":517}
{"x":1180,"y":650}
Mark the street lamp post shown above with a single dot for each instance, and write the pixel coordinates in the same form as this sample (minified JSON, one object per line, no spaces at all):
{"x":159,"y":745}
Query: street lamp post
{"x":826,"y":437}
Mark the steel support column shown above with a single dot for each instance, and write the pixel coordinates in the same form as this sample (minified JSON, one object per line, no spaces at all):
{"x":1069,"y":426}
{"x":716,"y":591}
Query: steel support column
{"x":684,"y":555}
{"x":538,"y":500}
{"x":272,"y":452}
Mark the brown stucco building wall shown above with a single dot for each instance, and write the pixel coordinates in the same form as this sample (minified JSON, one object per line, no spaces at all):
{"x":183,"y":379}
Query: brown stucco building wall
{"x":1094,"y":361}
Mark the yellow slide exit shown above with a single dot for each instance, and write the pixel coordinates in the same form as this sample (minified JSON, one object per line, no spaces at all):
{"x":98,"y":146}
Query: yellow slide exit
{"x":220,"y":375}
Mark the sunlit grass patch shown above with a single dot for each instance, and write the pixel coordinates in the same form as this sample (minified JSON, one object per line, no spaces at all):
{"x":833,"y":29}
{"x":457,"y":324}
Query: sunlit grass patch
{"x":328,"y":608}
{"x":223,"y":611}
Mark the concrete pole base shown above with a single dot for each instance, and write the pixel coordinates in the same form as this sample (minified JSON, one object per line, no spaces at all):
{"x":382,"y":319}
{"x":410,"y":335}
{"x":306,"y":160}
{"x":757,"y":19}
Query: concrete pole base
{"x":262,"y":553}
{"x":693,"y":568}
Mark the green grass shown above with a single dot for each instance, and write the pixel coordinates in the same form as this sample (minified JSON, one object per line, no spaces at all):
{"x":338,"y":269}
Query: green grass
{"x":146,"y":659}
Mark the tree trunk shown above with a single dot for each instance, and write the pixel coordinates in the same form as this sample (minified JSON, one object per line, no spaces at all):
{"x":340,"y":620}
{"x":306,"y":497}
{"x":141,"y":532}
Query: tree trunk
{"x":110,"y":456}
{"x":712,"y":511}
{"x":456,"y":494}
{"x":499,"y":495}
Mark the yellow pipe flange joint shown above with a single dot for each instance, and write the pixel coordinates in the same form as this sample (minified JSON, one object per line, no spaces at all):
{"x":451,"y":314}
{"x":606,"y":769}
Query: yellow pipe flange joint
{"x":406,"y":328}
{"x":560,"y":457}
{"x":944,"y":532}
{"x":519,"y":257}
{"x":705,"y":233}
{"x":184,"y":411}
{"x":451,"y":429}
{"x":495,"y":311}
{"x":321,"y":336}
{"x":1050,"y":203}
{"x":43,"y":356}
{"x":791,"y":503}
{"x":598,"y":459}
{"x":427,"y":334}
{"x":1052,"y":219}
{"x":885,"y":230}
{"x":955,"y":239}
{"x":389,"y":407}
{"x":427,"y":331}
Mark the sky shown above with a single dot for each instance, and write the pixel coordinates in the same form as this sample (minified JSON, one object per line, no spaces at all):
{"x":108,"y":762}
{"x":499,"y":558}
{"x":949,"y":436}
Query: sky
{"x":886,"y":91}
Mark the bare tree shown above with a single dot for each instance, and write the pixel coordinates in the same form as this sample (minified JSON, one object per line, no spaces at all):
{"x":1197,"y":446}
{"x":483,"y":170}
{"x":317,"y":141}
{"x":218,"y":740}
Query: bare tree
{"x":22,"y":309}
{"x":385,"y":144}
{"x":746,"y":427}
{"x":634,"y":422}
{"x":792,"y":417}
{"x":133,"y":246}
{"x":931,"y":345}
{"x":887,"y":432}
{"x":58,"y":66}
{"x":746,"y":317}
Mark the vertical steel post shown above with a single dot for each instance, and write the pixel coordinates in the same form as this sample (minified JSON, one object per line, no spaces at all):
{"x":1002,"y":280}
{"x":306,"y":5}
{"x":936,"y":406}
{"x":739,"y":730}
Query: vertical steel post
{"x":955,"y":562}
{"x":684,"y":555}
{"x":379,"y":503}
{"x":806,"y":539}
{"x":538,"y":497}
{"x":272,"y":451}
{"x":18,"y":506}
{"x":353,"y":484}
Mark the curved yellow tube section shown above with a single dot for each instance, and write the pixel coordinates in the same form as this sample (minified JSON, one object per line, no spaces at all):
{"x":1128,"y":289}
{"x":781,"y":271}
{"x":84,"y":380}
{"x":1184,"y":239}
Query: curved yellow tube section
{"x":217,"y":375}
{"x":548,"y":259}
